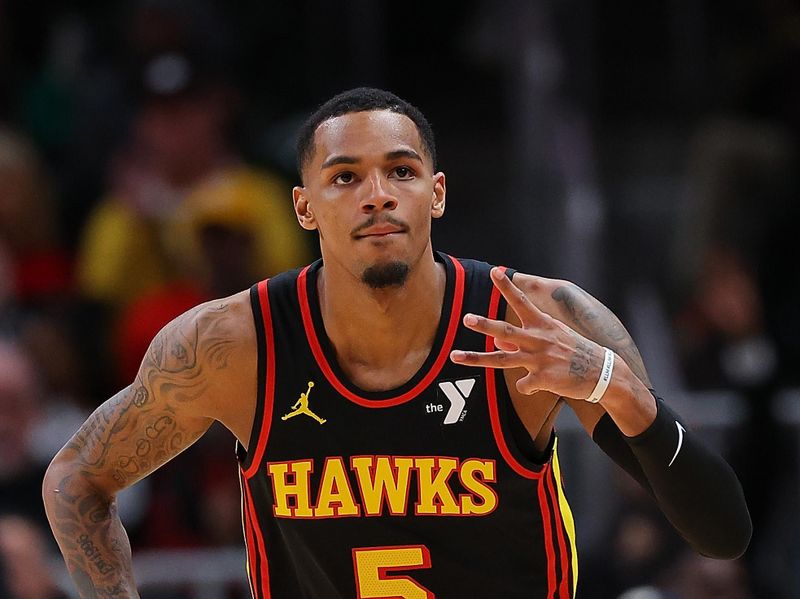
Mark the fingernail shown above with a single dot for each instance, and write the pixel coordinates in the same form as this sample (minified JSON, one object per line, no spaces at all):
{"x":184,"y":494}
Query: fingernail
{"x":496,"y":273}
{"x":470,"y":319}
{"x":456,"y":355}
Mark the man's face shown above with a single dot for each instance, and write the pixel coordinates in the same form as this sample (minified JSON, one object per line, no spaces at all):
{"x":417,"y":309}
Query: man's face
{"x":371,"y":192}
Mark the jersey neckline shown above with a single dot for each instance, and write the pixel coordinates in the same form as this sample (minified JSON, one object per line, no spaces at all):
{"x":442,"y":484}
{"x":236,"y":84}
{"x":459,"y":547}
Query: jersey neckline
{"x":323,"y":352}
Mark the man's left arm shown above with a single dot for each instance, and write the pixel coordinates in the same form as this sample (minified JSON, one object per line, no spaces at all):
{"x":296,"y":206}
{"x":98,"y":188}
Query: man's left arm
{"x":694,"y":487}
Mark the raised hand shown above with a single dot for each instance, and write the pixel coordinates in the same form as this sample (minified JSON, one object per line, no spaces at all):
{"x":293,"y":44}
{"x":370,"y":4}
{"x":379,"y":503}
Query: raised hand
{"x":557,"y":358}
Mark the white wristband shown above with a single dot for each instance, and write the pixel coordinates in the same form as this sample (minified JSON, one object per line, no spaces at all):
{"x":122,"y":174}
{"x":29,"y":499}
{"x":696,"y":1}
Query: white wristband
{"x":605,"y":377}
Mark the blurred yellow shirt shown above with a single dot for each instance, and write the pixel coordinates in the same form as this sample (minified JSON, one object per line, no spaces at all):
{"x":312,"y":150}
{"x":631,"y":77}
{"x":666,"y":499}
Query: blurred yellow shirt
{"x":124,"y":253}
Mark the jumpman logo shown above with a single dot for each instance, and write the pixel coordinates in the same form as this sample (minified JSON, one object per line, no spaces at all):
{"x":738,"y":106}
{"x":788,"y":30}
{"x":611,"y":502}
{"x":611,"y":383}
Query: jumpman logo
{"x":301,"y":407}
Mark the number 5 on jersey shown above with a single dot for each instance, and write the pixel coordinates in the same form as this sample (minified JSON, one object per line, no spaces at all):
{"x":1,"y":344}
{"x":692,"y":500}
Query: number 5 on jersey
{"x":372,"y":565}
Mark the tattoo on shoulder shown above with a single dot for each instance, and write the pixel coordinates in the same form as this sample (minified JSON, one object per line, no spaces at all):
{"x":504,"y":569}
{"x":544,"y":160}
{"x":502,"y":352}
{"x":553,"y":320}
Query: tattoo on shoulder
{"x":181,"y":356}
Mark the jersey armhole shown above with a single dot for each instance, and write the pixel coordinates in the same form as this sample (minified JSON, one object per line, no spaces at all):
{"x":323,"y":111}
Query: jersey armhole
{"x":249,"y":458}
{"x":518,"y":432}
{"x":528,"y":464}
{"x":522,"y":438}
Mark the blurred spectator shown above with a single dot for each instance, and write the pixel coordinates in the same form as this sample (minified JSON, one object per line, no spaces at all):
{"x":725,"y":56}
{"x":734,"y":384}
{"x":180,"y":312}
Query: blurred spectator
{"x":231,"y":234}
{"x":698,"y":577}
{"x":32,"y":428}
{"x":722,"y":330}
{"x":647,"y":592}
{"x":641,"y":557}
{"x":740,"y":183}
{"x":695,"y":577}
{"x":743,"y":187}
{"x":40,"y":268}
{"x":20,"y":410}
{"x":24,"y":564}
{"x":239,"y":230}
{"x":636,"y":548}
{"x":142,"y":318}
{"x":136,"y":239}
{"x":8,"y":318}
{"x":36,"y":298}
{"x":185,"y":220}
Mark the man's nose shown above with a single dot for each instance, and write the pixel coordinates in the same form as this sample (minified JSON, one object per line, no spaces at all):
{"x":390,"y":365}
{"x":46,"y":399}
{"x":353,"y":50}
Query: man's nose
{"x":377,"y":196}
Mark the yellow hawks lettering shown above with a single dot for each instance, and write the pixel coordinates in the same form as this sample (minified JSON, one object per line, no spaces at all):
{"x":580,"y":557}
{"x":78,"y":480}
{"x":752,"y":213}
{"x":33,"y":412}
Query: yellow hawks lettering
{"x":382,"y":486}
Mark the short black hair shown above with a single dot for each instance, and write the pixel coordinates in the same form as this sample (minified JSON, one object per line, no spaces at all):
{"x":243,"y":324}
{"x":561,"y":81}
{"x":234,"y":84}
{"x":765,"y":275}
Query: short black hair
{"x":361,"y":99}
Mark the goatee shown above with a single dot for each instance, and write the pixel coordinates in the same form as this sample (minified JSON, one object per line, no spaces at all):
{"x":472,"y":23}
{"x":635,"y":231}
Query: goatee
{"x":389,"y":274}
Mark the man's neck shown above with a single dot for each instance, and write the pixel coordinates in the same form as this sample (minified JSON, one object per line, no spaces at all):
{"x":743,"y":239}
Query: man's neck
{"x":382,"y":336}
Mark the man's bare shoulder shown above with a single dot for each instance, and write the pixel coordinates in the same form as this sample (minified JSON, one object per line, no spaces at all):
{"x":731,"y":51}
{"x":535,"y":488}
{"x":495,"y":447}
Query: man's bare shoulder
{"x":226,"y":321}
{"x":211,"y":348}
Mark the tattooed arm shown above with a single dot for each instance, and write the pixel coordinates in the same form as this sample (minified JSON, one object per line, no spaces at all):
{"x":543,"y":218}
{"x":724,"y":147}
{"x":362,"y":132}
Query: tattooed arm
{"x":695,"y":488}
{"x":178,"y":392}
{"x":546,"y":353}
{"x":553,"y":343}
{"x":591,"y":319}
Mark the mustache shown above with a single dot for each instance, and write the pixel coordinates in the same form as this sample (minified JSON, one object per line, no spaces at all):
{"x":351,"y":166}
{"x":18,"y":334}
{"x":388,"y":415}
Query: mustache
{"x":376,"y":220}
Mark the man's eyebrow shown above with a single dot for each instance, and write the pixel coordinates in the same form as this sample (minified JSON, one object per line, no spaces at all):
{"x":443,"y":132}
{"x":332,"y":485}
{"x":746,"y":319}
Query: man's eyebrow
{"x":394,"y":155}
{"x":339,"y":159}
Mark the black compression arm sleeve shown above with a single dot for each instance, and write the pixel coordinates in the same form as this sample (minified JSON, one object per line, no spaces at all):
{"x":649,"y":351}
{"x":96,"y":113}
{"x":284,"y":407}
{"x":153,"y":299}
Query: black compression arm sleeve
{"x":694,"y":487}
{"x":611,"y":440}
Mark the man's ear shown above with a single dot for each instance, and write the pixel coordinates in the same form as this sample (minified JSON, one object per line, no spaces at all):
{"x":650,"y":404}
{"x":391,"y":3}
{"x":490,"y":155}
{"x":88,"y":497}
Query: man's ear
{"x":302,"y":210}
{"x":438,"y":196}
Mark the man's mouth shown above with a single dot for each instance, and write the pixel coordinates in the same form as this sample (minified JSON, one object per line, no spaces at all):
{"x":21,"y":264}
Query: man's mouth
{"x":384,"y":230}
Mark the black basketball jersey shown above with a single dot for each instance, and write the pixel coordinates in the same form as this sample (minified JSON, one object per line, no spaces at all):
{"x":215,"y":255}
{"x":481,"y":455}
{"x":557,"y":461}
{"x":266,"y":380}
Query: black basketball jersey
{"x":414,"y":493}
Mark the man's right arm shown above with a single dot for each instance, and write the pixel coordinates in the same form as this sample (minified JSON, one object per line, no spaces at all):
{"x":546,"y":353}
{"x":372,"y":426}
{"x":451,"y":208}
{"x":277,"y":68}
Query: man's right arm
{"x":167,"y":408}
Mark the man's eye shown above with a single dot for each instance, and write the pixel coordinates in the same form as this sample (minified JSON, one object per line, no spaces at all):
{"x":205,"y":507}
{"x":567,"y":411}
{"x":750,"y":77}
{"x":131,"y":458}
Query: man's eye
{"x":343,"y":178}
{"x":403,"y":172}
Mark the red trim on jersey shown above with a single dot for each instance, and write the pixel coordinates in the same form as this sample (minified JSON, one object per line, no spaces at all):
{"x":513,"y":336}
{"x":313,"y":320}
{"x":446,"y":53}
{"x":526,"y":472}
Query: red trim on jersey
{"x":248,"y":534}
{"x":491,"y":395}
{"x":262,"y":552}
{"x":444,"y":352}
{"x":548,"y":537}
{"x":563,"y":589}
{"x":269,"y":387}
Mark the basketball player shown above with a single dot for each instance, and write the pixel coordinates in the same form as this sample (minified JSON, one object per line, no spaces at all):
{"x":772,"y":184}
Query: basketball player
{"x":393,"y":405}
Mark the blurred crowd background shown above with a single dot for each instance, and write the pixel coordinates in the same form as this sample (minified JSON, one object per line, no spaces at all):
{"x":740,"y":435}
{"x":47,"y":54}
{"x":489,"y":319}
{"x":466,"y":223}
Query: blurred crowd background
{"x":646,"y":151}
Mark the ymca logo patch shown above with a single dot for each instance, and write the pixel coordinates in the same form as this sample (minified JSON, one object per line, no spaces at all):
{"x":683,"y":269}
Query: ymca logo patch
{"x":453,"y":397}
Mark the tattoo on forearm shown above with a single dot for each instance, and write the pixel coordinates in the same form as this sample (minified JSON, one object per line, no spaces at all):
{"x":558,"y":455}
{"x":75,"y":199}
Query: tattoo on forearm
{"x":86,"y":587}
{"x":94,"y":556}
{"x":114,"y":591}
{"x":594,"y":321}
{"x":92,"y":539}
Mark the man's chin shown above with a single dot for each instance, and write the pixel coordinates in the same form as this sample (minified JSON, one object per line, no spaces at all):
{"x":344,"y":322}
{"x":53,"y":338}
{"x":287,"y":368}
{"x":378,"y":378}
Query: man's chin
{"x":386,"y":274}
